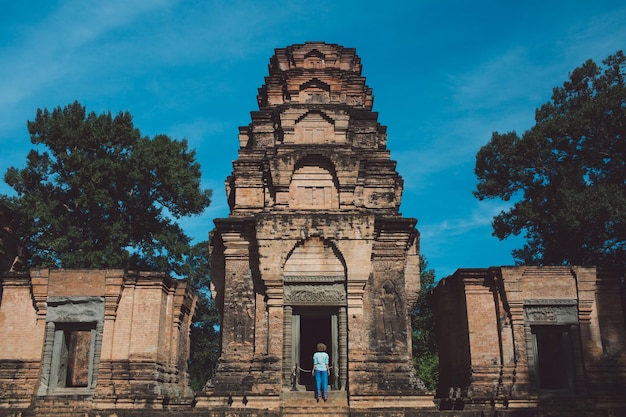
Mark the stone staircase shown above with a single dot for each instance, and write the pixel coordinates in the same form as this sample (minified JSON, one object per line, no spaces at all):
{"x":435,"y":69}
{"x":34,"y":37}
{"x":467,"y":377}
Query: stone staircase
{"x":303,"y":403}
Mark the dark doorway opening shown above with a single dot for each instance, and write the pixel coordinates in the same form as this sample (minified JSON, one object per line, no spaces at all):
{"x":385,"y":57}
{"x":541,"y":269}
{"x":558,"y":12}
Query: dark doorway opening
{"x":554,"y":357}
{"x":315,"y":328}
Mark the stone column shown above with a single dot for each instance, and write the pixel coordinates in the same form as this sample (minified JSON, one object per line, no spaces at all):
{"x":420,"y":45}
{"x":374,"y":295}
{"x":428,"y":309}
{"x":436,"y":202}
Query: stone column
{"x":287,"y":341}
{"x":276,"y":346}
{"x":484,"y":336}
{"x":521,"y":384}
{"x":523,"y":338}
{"x":343,"y":348}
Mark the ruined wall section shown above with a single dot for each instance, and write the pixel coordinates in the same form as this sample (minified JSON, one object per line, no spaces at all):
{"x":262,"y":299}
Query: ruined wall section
{"x":450,"y":313}
{"x":536,"y":334}
{"x":111,"y":336}
{"x":22,"y":332}
{"x":606,"y":355}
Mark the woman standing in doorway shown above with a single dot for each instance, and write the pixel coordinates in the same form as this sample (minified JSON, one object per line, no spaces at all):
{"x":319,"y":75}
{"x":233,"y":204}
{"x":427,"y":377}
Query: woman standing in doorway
{"x":320,"y":370}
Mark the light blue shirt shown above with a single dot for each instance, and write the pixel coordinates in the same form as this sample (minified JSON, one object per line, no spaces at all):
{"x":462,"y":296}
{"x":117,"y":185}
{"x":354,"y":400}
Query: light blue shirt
{"x":320,"y":361}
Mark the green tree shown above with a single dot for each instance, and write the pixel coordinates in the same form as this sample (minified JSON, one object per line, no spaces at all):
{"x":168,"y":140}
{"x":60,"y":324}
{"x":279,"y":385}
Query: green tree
{"x":204,"y":338}
{"x":566,"y":174}
{"x":425,"y":354}
{"x":97,"y":194}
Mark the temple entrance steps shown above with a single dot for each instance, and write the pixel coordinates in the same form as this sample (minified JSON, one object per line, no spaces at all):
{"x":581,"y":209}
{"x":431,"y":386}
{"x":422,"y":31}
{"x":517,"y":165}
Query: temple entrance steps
{"x":303,"y":403}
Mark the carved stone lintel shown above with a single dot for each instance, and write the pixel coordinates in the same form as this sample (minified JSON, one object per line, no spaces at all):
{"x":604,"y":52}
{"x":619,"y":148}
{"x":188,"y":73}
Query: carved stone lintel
{"x":334,"y":294}
{"x":551,"y":314}
{"x":319,"y":278}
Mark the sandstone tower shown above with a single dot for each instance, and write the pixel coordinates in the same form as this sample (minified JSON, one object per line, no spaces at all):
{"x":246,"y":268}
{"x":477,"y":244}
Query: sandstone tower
{"x":315,"y":248}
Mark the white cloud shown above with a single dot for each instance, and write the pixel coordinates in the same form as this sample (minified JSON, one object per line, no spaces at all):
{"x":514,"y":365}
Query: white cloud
{"x":50,"y":48}
{"x":596,"y":37}
{"x":480,"y":216}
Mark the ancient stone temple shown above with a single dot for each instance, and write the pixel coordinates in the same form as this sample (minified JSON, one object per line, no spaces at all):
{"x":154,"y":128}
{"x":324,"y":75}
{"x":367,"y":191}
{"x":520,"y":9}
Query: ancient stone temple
{"x":315,"y":249}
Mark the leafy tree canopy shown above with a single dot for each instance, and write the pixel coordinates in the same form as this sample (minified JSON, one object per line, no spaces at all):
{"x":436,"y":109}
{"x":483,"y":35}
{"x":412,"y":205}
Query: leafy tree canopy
{"x":97,"y":194}
{"x":204,"y":336}
{"x":567,"y":173}
{"x":425,"y":354}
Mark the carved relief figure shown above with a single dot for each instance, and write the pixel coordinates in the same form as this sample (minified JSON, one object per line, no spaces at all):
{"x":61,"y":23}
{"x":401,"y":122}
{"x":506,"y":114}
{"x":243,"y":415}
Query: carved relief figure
{"x":389,"y":303}
{"x":241,"y":313}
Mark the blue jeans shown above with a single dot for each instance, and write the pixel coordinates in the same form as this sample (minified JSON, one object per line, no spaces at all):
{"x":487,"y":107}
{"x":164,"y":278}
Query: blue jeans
{"x":321,"y":383}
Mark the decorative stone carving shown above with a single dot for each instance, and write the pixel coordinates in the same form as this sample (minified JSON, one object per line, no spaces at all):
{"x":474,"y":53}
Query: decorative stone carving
{"x":315,"y":294}
{"x":551,"y":314}
{"x":550,"y":311}
{"x":319,"y":278}
{"x":390,"y":311}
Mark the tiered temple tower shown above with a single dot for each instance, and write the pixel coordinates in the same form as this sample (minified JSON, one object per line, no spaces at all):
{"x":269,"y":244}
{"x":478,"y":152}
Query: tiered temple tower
{"x":315,"y":249}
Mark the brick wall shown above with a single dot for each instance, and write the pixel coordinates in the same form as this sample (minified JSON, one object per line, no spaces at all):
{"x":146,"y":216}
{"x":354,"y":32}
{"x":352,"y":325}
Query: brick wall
{"x":135,"y":329}
{"x":507,"y":312}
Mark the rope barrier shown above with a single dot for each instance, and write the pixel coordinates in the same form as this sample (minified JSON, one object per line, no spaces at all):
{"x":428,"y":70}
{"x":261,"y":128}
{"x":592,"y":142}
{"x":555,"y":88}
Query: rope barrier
{"x":295,"y":376}
{"x":310,"y":370}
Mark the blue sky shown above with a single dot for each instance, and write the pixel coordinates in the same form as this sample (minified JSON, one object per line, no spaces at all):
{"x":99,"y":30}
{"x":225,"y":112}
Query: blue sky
{"x":445,"y":75}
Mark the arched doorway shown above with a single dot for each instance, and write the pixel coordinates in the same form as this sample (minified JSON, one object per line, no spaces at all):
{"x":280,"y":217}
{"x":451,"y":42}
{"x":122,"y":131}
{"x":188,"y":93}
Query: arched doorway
{"x":314,"y":311}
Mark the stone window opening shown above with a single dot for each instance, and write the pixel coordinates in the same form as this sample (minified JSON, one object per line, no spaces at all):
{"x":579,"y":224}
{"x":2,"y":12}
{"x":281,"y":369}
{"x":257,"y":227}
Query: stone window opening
{"x":72,"y":345}
{"x":72,"y":355}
